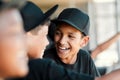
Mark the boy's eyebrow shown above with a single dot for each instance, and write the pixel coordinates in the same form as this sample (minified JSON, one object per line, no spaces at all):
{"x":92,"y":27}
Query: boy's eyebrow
{"x":71,"y":33}
{"x":57,"y":29}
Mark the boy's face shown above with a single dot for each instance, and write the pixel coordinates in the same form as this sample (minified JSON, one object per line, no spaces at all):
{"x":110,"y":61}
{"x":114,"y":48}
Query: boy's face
{"x":13,"y":59}
{"x":43,"y":41}
{"x":68,"y":41}
{"x":38,"y":42}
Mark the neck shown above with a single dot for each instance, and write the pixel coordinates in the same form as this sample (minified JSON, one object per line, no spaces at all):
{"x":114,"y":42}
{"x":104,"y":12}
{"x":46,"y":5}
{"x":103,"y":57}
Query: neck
{"x":70,"y":60}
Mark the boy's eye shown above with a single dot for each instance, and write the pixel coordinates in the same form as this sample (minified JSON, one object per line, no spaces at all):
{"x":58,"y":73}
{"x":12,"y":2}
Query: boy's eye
{"x":70,"y":36}
{"x":57,"y":33}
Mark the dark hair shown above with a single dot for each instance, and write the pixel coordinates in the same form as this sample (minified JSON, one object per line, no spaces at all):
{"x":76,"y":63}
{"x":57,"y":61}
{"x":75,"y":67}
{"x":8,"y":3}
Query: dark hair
{"x":83,"y":34}
{"x":46,"y":22}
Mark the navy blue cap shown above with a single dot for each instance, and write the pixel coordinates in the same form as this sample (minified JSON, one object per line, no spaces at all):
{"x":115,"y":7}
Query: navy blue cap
{"x":33,"y":16}
{"x":75,"y":18}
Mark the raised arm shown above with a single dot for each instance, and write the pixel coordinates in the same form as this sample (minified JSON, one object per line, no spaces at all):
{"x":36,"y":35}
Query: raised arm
{"x":103,"y":46}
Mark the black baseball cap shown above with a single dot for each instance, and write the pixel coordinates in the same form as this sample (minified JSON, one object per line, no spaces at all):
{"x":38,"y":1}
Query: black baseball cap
{"x":75,"y":18}
{"x":33,"y":16}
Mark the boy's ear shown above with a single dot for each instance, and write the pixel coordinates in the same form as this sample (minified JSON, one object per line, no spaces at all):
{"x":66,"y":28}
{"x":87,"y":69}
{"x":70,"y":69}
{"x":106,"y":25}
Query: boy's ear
{"x":84,"y":41}
{"x":29,"y":33}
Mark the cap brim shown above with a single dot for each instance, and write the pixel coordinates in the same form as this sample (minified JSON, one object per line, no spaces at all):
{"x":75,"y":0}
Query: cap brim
{"x":50,"y":12}
{"x":57,"y":21}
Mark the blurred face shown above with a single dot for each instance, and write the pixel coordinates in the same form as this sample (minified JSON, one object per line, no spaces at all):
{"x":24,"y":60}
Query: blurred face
{"x":68,"y":41}
{"x":43,"y":38}
{"x":38,"y":42}
{"x":13,"y":59}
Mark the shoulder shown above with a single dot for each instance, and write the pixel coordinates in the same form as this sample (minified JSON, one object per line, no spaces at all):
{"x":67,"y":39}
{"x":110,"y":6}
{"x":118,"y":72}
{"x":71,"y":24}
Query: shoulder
{"x":50,"y":53}
{"x":39,"y":63}
{"x":84,"y":53}
{"x":51,"y":50}
{"x":40,"y":66}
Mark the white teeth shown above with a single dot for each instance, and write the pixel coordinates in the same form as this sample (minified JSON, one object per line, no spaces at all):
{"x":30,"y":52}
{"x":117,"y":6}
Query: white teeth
{"x":63,"y":48}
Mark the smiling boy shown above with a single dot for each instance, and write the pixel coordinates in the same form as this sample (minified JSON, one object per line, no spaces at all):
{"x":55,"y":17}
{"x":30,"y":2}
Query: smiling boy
{"x":70,"y":36}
